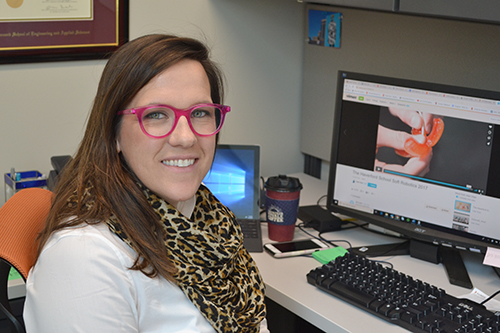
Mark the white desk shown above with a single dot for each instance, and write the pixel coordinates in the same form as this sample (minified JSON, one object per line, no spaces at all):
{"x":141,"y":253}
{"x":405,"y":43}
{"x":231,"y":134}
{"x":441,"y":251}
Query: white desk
{"x":286,"y":283}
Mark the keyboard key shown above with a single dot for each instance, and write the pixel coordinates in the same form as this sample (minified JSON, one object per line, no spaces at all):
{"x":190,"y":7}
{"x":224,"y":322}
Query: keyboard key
{"x":353,"y":293}
{"x":376,"y":304}
{"x":386,"y":309}
{"x":408,"y":316}
{"x":395,"y":313}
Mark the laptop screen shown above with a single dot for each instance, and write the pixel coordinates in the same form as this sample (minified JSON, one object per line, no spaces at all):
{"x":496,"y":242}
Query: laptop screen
{"x":234,"y":179}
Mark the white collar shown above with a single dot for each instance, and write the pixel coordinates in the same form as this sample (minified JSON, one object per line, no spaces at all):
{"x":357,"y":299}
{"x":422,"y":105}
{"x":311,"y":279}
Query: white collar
{"x":186,"y":207}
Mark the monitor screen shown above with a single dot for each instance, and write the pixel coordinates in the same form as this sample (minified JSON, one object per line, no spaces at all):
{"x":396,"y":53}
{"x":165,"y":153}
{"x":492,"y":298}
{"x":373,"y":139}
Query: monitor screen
{"x":418,"y":158}
{"x":234,"y":179}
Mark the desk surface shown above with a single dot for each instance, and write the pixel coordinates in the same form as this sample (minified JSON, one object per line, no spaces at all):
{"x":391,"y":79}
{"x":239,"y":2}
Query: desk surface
{"x":286,"y":283}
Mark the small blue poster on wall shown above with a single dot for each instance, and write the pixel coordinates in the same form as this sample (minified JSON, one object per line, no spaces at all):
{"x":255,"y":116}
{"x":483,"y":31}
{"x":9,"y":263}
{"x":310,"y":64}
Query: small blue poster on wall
{"x":324,"y":28}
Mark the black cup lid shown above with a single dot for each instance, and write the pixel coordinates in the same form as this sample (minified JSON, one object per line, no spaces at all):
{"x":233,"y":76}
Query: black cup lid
{"x":283,"y":183}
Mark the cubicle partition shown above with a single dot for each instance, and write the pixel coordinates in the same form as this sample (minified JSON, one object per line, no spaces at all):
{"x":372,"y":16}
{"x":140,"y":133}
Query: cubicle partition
{"x":430,"y":49}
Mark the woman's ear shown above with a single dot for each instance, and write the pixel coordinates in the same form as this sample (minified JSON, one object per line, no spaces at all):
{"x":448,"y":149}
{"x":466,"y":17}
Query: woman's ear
{"x":118,"y":148}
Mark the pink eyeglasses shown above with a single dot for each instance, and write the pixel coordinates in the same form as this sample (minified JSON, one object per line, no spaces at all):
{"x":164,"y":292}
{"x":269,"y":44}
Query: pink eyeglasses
{"x":159,"y":121}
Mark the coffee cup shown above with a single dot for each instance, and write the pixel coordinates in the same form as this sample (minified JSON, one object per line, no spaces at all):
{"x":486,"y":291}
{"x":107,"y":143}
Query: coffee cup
{"x":282,"y":206}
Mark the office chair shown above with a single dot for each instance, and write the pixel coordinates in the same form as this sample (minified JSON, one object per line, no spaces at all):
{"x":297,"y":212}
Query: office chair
{"x":58,"y":163}
{"x":22,"y":218}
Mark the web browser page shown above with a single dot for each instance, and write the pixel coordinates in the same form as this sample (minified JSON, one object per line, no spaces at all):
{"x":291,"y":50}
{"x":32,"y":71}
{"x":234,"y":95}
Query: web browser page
{"x":455,"y":187}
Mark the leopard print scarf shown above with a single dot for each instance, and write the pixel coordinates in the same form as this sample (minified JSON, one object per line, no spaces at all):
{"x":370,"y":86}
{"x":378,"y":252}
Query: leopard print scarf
{"x":213,"y":268}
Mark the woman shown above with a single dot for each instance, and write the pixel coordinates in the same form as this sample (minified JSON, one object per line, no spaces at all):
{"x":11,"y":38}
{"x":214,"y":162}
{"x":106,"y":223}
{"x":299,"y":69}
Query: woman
{"x":134,"y":242}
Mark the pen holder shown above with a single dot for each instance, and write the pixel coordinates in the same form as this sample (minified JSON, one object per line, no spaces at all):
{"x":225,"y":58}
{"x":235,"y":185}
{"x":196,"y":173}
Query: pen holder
{"x":17,"y":181}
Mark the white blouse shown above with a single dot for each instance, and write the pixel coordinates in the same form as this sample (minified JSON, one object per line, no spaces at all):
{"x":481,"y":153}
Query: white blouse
{"x":82,"y":283}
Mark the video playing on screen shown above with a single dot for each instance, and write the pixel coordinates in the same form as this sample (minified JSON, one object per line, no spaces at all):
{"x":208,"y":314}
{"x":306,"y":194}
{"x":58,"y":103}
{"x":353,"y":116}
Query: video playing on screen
{"x":409,"y":153}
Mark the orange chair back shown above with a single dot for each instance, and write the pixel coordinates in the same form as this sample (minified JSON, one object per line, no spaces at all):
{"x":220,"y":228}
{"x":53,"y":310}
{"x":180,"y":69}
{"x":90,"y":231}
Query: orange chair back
{"x":22,"y":218}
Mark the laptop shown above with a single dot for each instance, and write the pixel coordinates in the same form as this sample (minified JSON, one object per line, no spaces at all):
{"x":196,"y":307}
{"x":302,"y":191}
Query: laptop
{"x":235,"y":180}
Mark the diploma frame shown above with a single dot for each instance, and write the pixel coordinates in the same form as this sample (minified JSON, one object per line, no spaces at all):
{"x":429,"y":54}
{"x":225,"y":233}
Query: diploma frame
{"x":96,"y":36}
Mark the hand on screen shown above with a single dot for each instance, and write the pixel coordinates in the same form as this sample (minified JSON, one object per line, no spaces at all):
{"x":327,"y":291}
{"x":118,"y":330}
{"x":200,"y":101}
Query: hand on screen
{"x":414,"y":119}
{"x":417,"y":166}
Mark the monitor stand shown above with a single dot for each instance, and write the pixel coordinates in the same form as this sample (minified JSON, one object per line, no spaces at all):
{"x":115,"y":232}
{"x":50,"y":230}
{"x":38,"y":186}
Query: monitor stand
{"x":449,"y":257}
{"x":455,"y":267}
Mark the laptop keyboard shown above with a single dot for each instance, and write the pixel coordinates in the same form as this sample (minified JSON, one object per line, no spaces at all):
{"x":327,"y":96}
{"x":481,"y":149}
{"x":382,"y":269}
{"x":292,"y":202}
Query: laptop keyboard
{"x":250,"y":228}
{"x":252,"y":234}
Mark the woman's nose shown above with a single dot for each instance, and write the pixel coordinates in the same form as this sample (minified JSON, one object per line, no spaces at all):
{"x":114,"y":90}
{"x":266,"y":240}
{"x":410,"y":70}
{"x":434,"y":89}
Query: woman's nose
{"x":182,"y":134}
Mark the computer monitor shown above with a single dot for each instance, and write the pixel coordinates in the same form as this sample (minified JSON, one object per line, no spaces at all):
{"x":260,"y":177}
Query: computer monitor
{"x":441,"y":189}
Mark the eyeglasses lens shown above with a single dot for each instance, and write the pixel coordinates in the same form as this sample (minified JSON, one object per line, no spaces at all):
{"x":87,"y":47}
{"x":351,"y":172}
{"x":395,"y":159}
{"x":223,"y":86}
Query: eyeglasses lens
{"x":158,"y":121}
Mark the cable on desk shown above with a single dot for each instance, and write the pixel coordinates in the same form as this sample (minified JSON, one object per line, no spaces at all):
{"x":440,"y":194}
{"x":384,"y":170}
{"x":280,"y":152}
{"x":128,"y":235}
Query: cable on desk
{"x":384,"y":262}
{"x":319,"y":237}
{"x":354,"y":225}
{"x":489,"y":298}
{"x":301,"y":227}
{"x":495,"y":269}
{"x":364,"y":226}
{"x":319,"y":200}
{"x":331,"y":242}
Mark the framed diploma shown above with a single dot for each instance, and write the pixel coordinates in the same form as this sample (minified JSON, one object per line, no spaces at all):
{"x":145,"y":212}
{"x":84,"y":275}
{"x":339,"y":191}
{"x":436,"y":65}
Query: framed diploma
{"x":56,"y":30}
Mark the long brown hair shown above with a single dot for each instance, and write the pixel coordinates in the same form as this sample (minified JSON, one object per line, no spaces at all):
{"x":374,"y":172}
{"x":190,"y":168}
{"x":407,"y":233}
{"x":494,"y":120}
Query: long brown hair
{"x":98,"y":176}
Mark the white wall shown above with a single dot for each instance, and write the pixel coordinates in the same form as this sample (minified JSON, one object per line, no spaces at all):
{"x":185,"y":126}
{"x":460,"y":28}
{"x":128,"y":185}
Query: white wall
{"x":258,"y":44}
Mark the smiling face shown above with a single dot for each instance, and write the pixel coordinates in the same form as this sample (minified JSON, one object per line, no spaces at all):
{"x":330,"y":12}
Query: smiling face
{"x":172,"y":167}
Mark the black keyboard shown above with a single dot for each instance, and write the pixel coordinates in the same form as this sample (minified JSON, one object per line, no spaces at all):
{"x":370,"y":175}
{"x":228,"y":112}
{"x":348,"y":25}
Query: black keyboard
{"x":398,"y":298}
